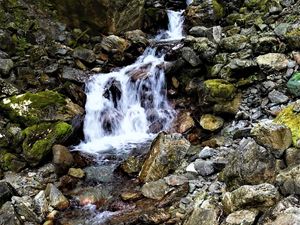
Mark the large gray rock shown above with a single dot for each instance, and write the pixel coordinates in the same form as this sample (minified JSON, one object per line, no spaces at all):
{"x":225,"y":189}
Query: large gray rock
{"x":260,"y":196}
{"x":6,"y":192}
{"x":272,"y":61}
{"x":288,"y":180}
{"x":8,"y":215}
{"x":190,"y":56}
{"x":25,"y":209}
{"x":84,"y":54}
{"x":274,"y":136}
{"x":250,"y":164}
{"x":107,"y":16}
{"x":234,"y":43}
{"x":165,"y":154}
{"x":156,"y":189}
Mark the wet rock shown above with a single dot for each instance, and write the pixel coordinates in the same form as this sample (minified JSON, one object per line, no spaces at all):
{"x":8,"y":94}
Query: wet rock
{"x":132,"y":165}
{"x":24,"y":208}
{"x":41,"y":204}
{"x":249,"y":164}
{"x":77,"y":173}
{"x":137,"y":37}
{"x":261,"y":196}
{"x":97,"y":195}
{"x":114,"y":44}
{"x":288,"y":181}
{"x":62,"y":158}
{"x":234,"y":43}
{"x":5,"y":67}
{"x":104,"y":16}
{"x":39,"y":139}
{"x":190,"y":56}
{"x":6,"y":192}
{"x":205,"y":48}
{"x":276,"y":137}
{"x":290,"y":117}
{"x":278,"y":97}
{"x":106,"y":171}
{"x":211,"y":122}
{"x":165,"y":154}
{"x":8,"y":215}
{"x":30,"y":109}
{"x":84,"y":54}
{"x":156,"y":189}
{"x":56,"y":198}
{"x":293,"y":84}
{"x":285,"y":212}
{"x":246,"y":217}
{"x":272,"y":61}
{"x":184,"y":122}
{"x":72,"y":74}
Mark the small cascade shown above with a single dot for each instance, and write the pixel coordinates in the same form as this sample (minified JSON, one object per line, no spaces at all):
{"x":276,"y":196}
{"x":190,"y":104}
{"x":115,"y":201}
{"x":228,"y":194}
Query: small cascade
{"x":129,"y":106}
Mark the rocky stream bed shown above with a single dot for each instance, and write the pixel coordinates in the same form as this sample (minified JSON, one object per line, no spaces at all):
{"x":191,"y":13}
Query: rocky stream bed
{"x":232,"y":154}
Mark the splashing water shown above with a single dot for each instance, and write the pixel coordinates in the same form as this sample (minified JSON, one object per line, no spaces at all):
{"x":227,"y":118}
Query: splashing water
{"x":129,"y":106}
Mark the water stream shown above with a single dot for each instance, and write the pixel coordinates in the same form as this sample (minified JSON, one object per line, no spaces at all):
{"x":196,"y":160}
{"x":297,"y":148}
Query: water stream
{"x":129,"y":106}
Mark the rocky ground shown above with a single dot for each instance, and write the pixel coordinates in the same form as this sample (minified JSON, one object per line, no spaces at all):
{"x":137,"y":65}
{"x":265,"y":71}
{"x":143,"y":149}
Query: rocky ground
{"x":233,"y":154}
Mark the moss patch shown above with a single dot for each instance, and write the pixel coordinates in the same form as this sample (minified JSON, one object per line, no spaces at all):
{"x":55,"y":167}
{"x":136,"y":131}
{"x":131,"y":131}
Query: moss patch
{"x":39,"y":139}
{"x":219,"y":90}
{"x":218,"y":9}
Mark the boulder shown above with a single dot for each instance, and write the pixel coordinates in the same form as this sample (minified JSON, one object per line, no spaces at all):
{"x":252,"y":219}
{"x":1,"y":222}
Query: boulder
{"x":8,"y":215}
{"x":166,"y":153}
{"x":202,"y":46}
{"x":290,"y":117}
{"x":211,"y":122}
{"x":30,"y":109}
{"x":249,"y":164}
{"x":25,"y":209}
{"x":39,"y":139}
{"x":275,"y":137}
{"x":245,"y":217}
{"x":62,"y":158}
{"x":277,"y":97}
{"x":288,"y":180}
{"x":190,"y":56}
{"x":72,"y":74}
{"x":234,"y":43}
{"x":260,"y":196}
{"x":292,"y":156}
{"x":12,"y":162}
{"x":7,"y":89}
{"x":156,"y":189}
{"x":184,"y":122}
{"x":114,"y":44}
{"x":84,"y":54}
{"x":41,"y":204}
{"x":104,"y":16}
{"x":272,"y":61}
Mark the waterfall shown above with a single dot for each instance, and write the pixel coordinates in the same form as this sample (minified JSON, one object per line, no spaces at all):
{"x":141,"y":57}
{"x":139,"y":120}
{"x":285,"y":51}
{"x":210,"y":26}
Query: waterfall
{"x":129,"y":106}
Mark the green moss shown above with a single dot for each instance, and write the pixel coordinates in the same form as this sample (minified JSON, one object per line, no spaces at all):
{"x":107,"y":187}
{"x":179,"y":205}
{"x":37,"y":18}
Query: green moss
{"x":218,"y":89}
{"x":290,"y":116}
{"x":294,"y":32}
{"x":9,"y":161}
{"x":40,"y":138}
{"x":218,"y":9}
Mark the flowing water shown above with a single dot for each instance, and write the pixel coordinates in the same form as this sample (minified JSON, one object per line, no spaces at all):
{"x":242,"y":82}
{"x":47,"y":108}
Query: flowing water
{"x":129,"y":106}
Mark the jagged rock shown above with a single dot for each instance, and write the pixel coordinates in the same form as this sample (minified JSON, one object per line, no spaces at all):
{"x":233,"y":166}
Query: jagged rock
{"x":156,"y":189}
{"x":30,"y":109}
{"x":290,"y":117}
{"x":25,"y":209}
{"x":204,"y":168}
{"x":41,"y":204}
{"x":7,"y":89}
{"x":39,"y":139}
{"x":84,"y":54}
{"x":72,"y":74}
{"x":250,"y":164}
{"x":211,"y":122}
{"x":165,"y":154}
{"x":62,"y":158}
{"x":285,"y":212}
{"x":274,"y":136}
{"x":234,"y":43}
{"x":8,"y":215}
{"x":56,"y":198}
{"x":114,"y":44}
{"x":288,"y":181}
{"x":190,"y":56}
{"x":245,"y":217}
{"x":272,"y":61}
{"x":260,"y":196}
{"x":5,"y":67}
{"x":104,"y":16}
{"x":293,"y":84}
{"x":6,"y":192}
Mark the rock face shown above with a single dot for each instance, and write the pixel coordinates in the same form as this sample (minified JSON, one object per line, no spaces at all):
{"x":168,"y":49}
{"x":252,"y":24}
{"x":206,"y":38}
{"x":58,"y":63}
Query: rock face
{"x":165,"y":154}
{"x":263,"y":195}
{"x":273,"y":136}
{"x":102,"y":15}
{"x":251,"y":164}
{"x":30,"y":109}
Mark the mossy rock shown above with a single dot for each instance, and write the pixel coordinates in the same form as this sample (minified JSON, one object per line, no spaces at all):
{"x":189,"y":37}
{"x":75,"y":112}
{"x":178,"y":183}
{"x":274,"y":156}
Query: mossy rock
{"x":218,"y":90}
{"x":294,"y":84}
{"x":293,"y":38}
{"x":262,"y":5}
{"x":290,"y":116}
{"x":39,"y":139}
{"x":45,"y":106}
{"x":9,"y":161}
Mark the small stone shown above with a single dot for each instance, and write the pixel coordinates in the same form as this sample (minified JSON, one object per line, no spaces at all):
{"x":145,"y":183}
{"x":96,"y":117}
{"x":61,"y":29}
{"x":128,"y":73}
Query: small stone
{"x":277,"y":97}
{"x":41,"y":204}
{"x":211,"y":122}
{"x":190,"y":56}
{"x":131,"y":195}
{"x":84,"y":54}
{"x":288,"y":180}
{"x":204,"y":168}
{"x":245,"y":217}
{"x":207,"y":152}
{"x":77,"y":173}
{"x":56,"y":198}
{"x":156,"y":189}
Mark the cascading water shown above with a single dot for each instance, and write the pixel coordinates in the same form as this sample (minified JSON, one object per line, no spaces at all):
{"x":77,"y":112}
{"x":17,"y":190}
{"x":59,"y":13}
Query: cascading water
{"x":128,"y":106}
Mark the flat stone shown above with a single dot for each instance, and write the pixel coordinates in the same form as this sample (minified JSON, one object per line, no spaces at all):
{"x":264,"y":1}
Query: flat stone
{"x":245,"y":217}
{"x":76,"y":172}
{"x":273,"y":61}
{"x":278,"y":97}
{"x":156,"y":189}
{"x":211,"y":122}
